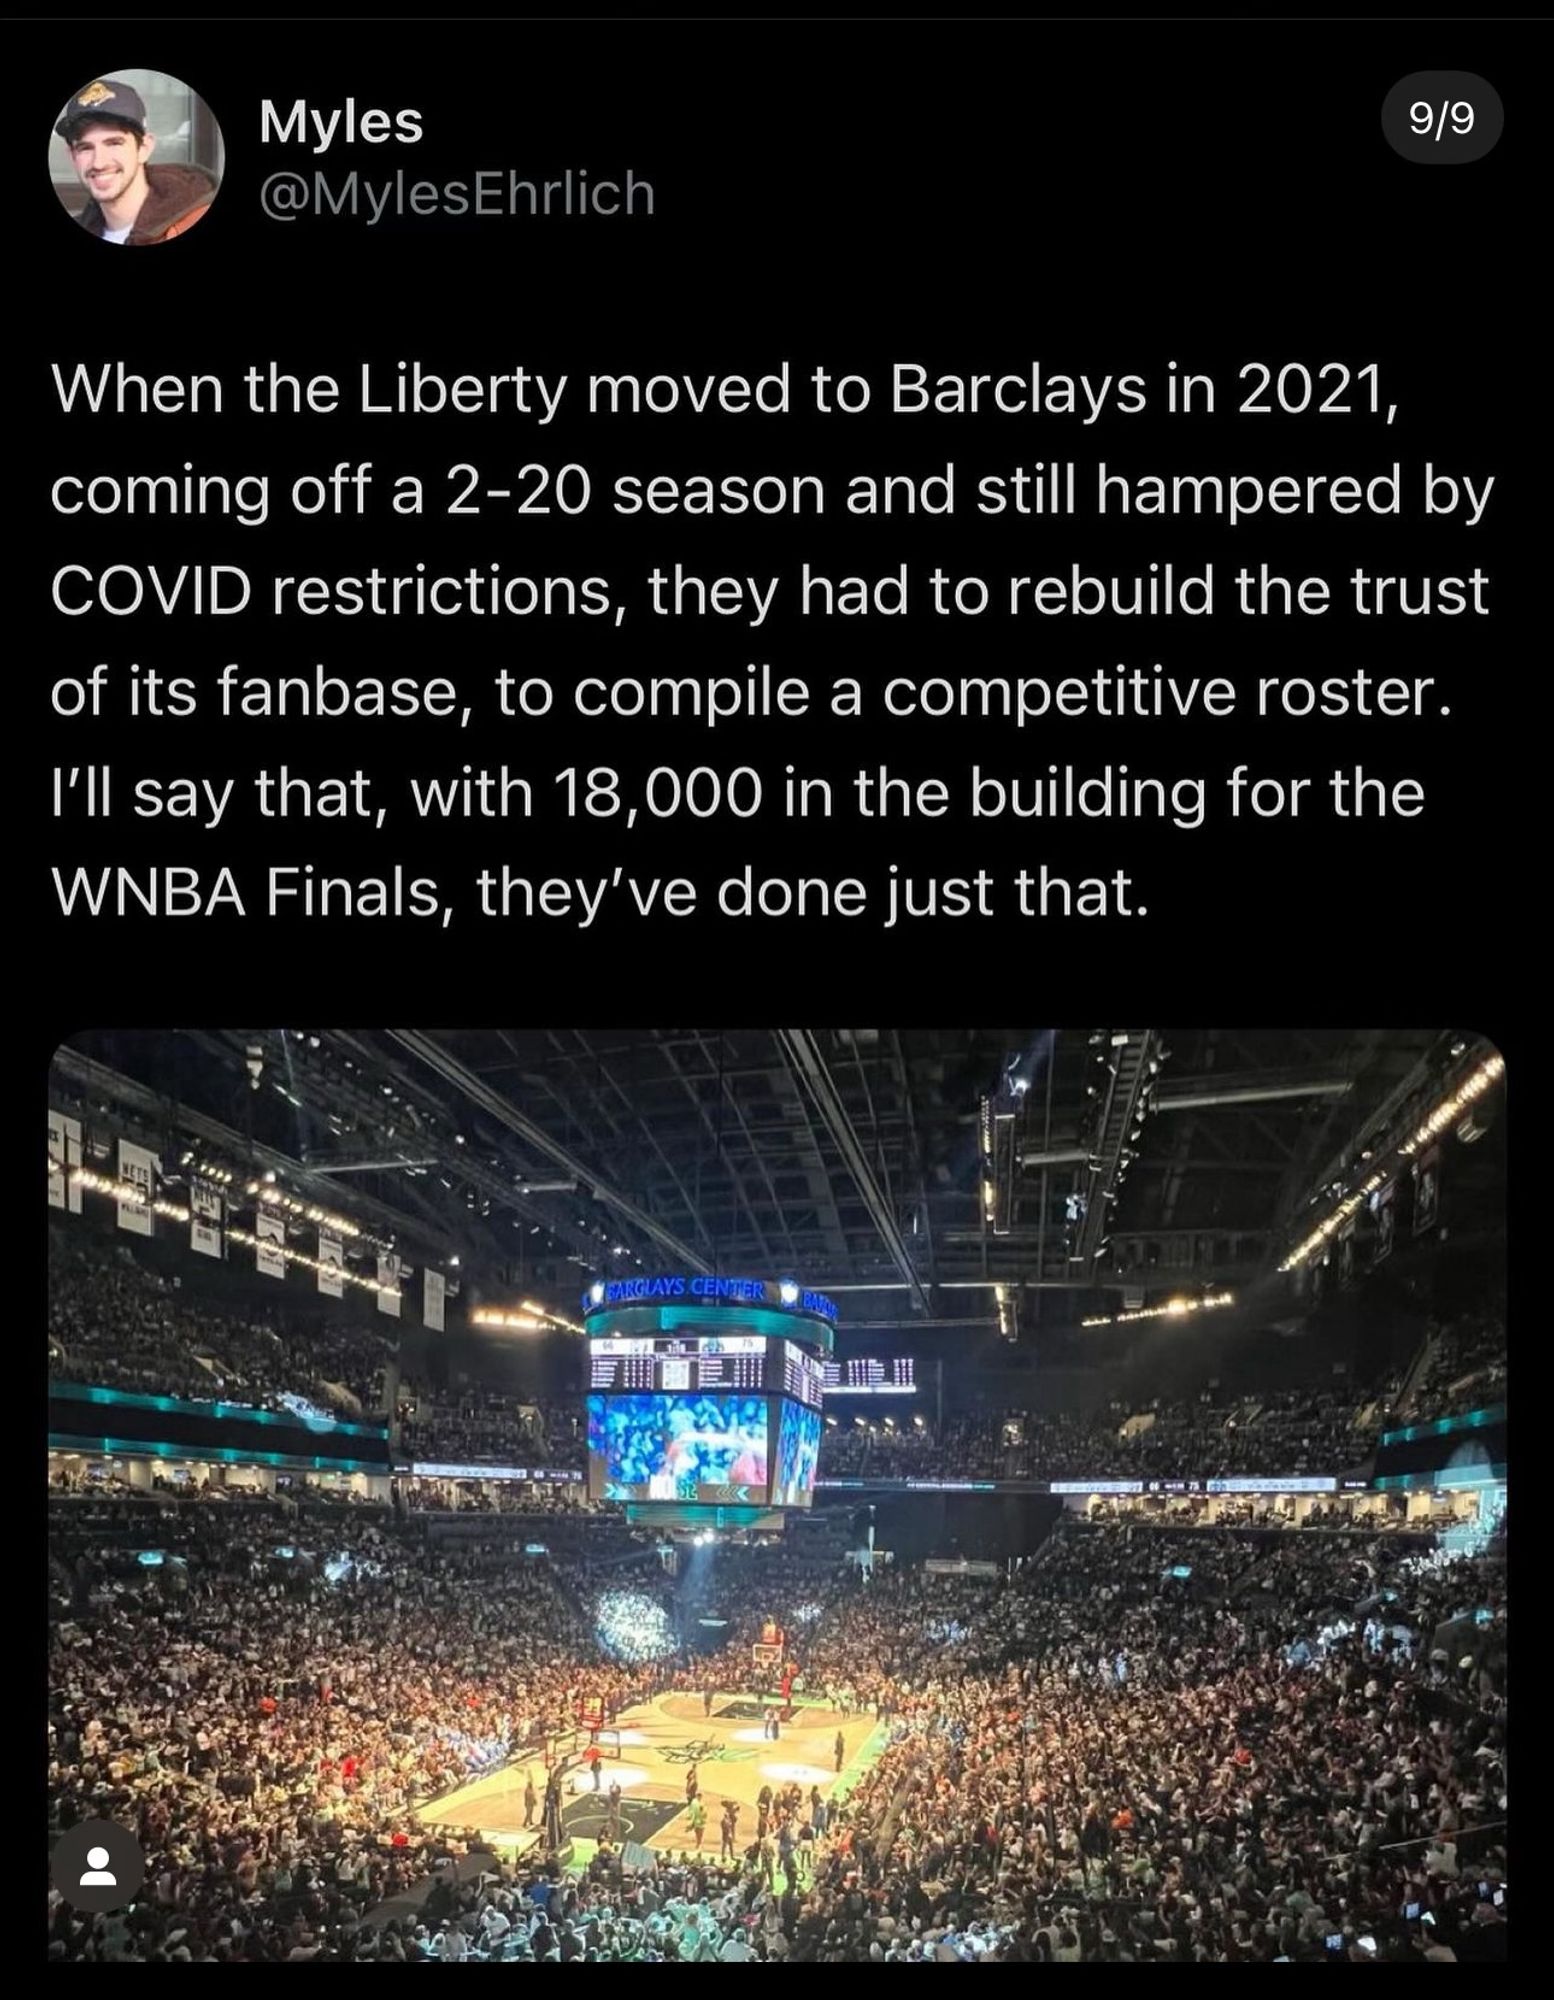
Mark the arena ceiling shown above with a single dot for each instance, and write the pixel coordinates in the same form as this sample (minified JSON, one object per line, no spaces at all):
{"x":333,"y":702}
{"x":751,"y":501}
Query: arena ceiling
{"x":922,"y":1168}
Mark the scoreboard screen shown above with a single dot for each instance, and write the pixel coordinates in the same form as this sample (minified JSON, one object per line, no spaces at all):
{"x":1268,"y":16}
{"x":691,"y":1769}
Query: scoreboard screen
{"x":894,"y":1376}
{"x":672,"y":1365}
{"x":687,"y":1364}
{"x":803,"y":1377}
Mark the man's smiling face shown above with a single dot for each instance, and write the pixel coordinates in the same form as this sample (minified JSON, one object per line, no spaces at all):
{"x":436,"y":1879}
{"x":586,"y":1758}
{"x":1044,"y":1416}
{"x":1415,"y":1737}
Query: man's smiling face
{"x":109,"y":158}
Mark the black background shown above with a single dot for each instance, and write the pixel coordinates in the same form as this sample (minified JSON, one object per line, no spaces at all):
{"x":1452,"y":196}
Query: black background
{"x":1102,"y":198}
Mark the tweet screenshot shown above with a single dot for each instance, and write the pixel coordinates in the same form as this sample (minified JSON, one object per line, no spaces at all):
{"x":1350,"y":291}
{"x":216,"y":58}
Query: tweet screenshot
{"x":648,"y":521}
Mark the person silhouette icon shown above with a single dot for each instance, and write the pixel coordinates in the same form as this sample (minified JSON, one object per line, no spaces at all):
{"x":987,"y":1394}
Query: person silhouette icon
{"x":97,"y":1865}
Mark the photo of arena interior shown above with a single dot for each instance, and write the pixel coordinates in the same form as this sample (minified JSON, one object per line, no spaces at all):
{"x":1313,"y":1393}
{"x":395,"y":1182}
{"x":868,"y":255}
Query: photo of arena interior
{"x":826,"y":1495}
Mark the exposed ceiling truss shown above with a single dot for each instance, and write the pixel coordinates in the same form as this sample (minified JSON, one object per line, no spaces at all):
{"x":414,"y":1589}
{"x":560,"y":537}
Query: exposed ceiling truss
{"x":848,"y":1158}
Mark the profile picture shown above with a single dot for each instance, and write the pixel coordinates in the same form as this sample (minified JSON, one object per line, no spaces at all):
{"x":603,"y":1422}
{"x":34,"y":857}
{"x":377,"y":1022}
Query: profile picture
{"x":136,"y":157}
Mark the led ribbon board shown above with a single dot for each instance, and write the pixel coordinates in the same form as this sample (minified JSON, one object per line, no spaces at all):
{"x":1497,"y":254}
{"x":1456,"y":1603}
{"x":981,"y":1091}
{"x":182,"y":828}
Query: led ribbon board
{"x":782,"y":1294}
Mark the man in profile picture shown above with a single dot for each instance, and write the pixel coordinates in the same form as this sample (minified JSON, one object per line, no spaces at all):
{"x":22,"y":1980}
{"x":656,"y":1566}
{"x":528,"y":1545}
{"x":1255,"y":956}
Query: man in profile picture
{"x":110,"y":148}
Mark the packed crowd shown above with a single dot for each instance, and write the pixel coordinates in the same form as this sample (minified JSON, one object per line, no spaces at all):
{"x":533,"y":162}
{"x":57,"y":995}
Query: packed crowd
{"x":1366,"y":1513}
{"x":482,"y":1426}
{"x":1154,"y":1748}
{"x":1293,"y":1433}
{"x":1144,"y":1744}
{"x":100,"y":1476}
{"x":911,"y":1448}
{"x":267,"y":1715}
{"x":1141,"y":1746}
{"x":490,"y":1496}
{"x":117,"y":1323}
{"x":1465,"y":1368}
{"x":234,"y":1485}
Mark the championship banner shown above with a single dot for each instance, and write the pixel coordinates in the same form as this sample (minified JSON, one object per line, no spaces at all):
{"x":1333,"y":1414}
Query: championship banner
{"x":388,"y":1283}
{"x":270,"y":1247}
{"x":331,"y":1265}
{"x":1384,"y":1207}
{"x":64,"y":1158}
{"x":205,"y":1218}
{"x":1346,"y":1265}
{"x":139,"y":1169}
{"x":433,"y":1292}
{"x":1427,"y":1190}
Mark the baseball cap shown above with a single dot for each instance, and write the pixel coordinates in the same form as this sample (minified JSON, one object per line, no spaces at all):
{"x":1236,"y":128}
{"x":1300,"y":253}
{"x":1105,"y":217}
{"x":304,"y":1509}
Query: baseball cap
{"x":107,"y":100}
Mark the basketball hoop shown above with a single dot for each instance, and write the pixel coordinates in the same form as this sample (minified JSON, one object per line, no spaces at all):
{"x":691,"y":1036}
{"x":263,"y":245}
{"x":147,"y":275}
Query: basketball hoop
{"x":770,"y":1650}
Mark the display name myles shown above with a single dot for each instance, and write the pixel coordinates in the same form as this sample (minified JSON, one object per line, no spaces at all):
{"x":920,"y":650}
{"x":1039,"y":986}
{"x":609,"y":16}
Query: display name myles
{"x":303,"y":124}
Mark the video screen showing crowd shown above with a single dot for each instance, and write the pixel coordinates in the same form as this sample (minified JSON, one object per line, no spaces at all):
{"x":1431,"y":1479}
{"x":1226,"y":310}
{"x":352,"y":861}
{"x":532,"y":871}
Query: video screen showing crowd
{"x":676,"y":1659}
{"x":679,"y":1447}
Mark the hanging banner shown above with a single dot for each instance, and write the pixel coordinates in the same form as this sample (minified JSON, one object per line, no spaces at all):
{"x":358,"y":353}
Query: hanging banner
{"x":205,"y":1218}
{"x":388,"y":1283}
{"x":1384,"y":1208}
{"x":432,"y":1294}
{"x":139,"y":1169}
{"x":1346,"y":1264}
{"x":270,"y":1249}
{"x":1427,"y":1190}
{"x":331,"y":1265}
{"x":64,"y":1158}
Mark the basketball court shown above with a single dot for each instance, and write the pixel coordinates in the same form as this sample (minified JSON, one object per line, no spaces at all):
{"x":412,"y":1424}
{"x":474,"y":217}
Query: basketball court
{"x":648,"y":1752}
